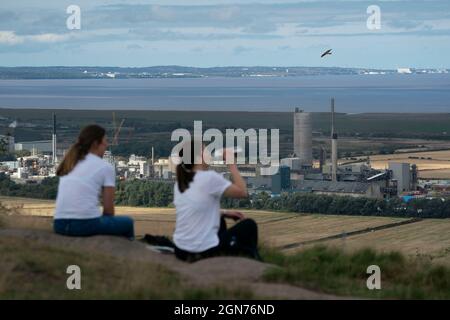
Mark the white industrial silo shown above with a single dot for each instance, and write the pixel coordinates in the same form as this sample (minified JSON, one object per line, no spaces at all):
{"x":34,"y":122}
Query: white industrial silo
{"x":303,"y":137}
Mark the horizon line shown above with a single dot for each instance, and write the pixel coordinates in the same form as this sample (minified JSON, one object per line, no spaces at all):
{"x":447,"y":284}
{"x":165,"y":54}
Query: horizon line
{"x":228,"y":66}
{"x":215,"y":111}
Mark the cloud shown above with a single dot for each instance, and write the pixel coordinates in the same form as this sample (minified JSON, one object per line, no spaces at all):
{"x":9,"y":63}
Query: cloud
{"x":163,"y":13}
{"x":251,"y":17}
{"x":11,"y":38}
{"x":285,"y":48}
{"x":49,"y":37}
{"x":134,"y":47}
{"x":178,"y":28}
{"x":225,"y":13}
{"x":260,"y":27}
{"x":241,"y":49}
{"x":405,"y":24}
{"x":195,"y":34}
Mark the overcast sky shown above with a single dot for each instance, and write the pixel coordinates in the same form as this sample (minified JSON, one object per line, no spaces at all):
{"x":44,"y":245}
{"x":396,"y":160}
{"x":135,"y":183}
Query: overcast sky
{"x":225,"y":33}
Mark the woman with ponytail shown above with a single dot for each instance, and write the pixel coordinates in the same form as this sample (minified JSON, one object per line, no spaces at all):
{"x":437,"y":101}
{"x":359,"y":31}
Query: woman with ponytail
{"x":84,"y":178}
{"x":200,"y":229}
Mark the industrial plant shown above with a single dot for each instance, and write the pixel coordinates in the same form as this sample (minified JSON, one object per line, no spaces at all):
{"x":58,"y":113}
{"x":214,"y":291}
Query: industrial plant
{"x":299,"y":172}
{"x":39,"y":159}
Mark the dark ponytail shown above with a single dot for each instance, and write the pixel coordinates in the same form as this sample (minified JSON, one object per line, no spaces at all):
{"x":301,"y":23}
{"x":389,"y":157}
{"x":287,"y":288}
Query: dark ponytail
{"x":88,"y":136}
{"x":185,"y":171}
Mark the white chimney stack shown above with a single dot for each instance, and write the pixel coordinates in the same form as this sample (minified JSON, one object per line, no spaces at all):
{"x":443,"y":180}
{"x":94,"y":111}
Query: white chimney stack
{"x":54,"y":159}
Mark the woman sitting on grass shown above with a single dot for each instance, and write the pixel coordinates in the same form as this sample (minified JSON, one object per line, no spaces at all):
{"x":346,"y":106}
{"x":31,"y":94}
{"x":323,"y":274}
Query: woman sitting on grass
{"x":84,"y":176}
{"x":201,"y":230}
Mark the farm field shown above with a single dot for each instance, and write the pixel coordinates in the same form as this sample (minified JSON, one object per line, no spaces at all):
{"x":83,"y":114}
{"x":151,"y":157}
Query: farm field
{"x":352,"y":144}
{"x":431,"y":164}
{"x":435,"y":174}
{"x":290,"y":232}
{"x":429,"y":239}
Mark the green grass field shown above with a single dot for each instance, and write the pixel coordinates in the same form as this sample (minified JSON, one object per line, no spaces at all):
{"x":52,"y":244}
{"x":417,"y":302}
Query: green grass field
{"x":332,"y":270}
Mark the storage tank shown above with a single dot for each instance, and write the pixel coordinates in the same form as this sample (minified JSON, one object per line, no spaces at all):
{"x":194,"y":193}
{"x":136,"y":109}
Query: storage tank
{"x":303,"y":137}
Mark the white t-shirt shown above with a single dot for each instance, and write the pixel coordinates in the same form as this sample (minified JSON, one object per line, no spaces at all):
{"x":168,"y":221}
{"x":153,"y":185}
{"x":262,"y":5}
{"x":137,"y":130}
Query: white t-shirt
{"x":198,"y":211}
{"x":79,"y":191}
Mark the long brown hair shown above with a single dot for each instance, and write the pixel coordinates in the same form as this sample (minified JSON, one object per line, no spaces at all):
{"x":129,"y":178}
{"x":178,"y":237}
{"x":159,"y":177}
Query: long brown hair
{"x":185,"y":170}
{"x":88,"y":136}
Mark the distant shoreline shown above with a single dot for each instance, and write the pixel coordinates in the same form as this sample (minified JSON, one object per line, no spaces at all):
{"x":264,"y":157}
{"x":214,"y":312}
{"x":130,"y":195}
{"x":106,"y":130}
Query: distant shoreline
{"x":182,"y":72}
{"x":214,"y":111}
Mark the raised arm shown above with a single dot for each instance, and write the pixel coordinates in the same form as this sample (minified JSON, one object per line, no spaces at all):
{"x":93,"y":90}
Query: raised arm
{"x":239,"y":188}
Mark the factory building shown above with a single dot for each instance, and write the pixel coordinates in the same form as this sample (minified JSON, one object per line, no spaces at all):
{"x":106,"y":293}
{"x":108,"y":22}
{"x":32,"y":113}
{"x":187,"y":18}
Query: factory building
{"x":10,"y":165}
{"x":164,"y":168}
{"x":353,"y":179}
{"x":303,"y":137}
{"x":281,"y":180}
{"x":293,"y":163}
{"x":140,"y":165}
{"x":404,"y":175}
{"x":42,"y":146}
{"x":341,"y":188}
{"x":401,"y":173}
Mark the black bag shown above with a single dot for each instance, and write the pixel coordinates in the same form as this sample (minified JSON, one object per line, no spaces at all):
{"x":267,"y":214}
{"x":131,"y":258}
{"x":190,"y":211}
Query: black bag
{"x":160,"y":241}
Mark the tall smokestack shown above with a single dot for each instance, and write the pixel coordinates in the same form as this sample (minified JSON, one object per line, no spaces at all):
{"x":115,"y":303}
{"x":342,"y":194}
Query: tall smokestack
{"x":153,"y":156}
{"x":54,"y":159}
{"x":334,"y":146}
{"x":322,"y":158}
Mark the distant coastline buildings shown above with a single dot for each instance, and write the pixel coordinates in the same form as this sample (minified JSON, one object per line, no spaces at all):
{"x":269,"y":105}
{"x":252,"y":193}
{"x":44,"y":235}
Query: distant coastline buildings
{"x":404,"y":71}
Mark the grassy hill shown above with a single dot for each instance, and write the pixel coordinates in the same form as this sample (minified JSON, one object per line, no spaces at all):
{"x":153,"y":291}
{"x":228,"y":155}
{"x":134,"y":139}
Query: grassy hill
{"x":34,"y":263}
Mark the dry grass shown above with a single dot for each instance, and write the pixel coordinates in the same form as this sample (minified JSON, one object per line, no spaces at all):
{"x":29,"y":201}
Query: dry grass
{"x":428,"y":238}
{"x":41,"y":268}
{"x":401,"y":144}
{"x":443,"y":155}
{"x":435,"y":174}
{"x":432,"y":164}
{"x":41,"y":272}
{"x":312,"y":227}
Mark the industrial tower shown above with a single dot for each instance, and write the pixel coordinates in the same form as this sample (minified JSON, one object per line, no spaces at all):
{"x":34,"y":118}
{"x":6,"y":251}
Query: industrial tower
{"x":54,"y":158}
{"x":303,"y":137}
{"x":334,"y":146}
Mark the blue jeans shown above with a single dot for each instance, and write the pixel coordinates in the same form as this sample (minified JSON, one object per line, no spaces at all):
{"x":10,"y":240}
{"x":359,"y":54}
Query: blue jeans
{"x":104,"y":225}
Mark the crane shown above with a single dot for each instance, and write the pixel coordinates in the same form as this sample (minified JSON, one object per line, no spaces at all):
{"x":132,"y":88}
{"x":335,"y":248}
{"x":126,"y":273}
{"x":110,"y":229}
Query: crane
{"x":116,"y":130}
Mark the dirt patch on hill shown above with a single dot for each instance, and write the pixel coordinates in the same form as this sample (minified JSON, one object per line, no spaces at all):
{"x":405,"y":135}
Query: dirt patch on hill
{"x":227,"y":272}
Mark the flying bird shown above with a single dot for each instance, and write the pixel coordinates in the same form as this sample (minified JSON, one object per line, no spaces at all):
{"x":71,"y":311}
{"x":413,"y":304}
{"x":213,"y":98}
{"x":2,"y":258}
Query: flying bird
{"x":328,"y":52}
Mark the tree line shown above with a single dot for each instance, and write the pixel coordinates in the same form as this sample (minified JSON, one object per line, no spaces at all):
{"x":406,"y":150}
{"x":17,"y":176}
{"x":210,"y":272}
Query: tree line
{"x":344,"y":205}
{"x":47,"y":189}
{"x":148,"y":193}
